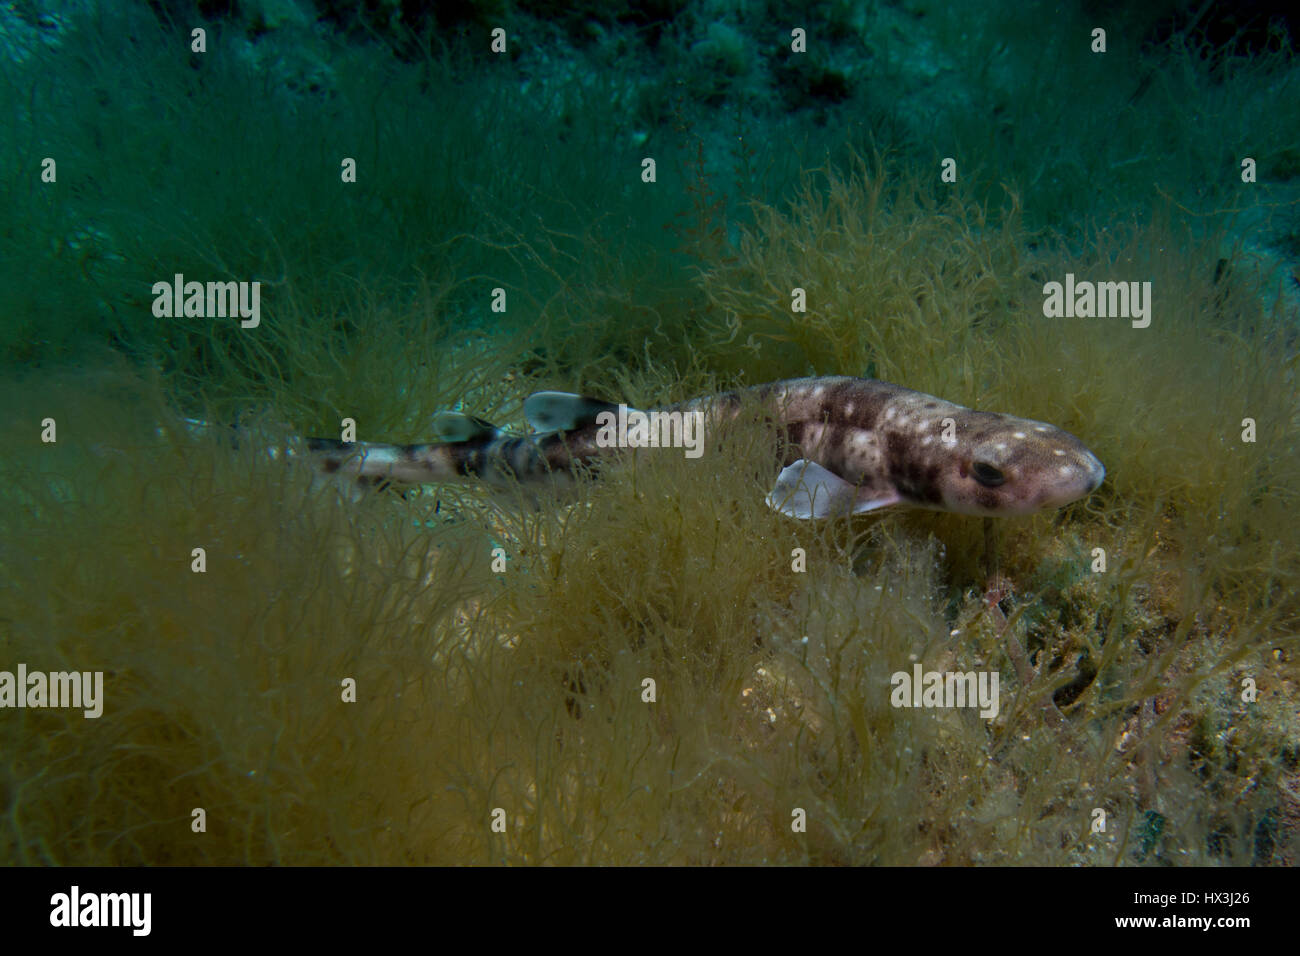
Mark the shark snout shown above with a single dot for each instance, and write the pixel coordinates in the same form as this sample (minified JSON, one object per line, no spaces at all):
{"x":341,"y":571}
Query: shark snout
{"x":1096,"y":471}
{"x":1078,"y":473}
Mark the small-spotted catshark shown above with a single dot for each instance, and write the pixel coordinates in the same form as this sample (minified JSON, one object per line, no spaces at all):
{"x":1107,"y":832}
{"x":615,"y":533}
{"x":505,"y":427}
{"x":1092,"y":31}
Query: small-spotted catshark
{"x":846,"y":446}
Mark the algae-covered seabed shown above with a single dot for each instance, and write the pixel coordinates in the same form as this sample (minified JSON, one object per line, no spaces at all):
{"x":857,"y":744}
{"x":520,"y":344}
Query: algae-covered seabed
{"x":1146,"y":638}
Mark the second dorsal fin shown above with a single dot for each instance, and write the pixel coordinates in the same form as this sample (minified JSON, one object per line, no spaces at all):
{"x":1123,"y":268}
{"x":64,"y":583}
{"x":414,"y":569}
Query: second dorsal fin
{"x":457,"y":427}
{"x":563,"y":411}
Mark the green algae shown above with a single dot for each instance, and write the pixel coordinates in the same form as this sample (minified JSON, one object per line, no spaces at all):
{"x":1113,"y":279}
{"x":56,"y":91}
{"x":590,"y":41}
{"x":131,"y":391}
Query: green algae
{"x":524,"y":690}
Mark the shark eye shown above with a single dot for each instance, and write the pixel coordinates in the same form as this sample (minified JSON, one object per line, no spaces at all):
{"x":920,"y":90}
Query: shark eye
{"x":987,"y":475}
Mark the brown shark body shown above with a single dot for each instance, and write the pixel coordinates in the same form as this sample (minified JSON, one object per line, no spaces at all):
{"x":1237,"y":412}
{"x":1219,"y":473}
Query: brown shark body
{"x":845,"y":445}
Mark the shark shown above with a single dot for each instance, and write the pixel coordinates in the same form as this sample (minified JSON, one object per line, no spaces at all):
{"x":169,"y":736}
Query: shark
{"x":842,"y":446}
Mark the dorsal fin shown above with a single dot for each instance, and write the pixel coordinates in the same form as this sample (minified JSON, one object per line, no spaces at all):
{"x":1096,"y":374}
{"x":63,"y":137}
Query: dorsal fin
{"x":563,"y":411}
{"x":457,"y":427}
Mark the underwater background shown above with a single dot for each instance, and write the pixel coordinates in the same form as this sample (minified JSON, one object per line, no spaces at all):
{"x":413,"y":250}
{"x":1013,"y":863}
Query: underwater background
{"x":437,"y":224}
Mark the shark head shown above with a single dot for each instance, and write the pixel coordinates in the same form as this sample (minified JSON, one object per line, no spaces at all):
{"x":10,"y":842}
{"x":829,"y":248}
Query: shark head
{"x":1014,"y":466}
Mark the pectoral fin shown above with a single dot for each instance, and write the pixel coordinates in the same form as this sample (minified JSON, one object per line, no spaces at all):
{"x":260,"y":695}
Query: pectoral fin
{"x":806,"y":490}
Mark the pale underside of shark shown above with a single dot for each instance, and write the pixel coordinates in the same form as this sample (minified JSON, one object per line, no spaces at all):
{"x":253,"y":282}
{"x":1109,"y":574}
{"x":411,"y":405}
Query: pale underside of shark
{"x":842,"y":446}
